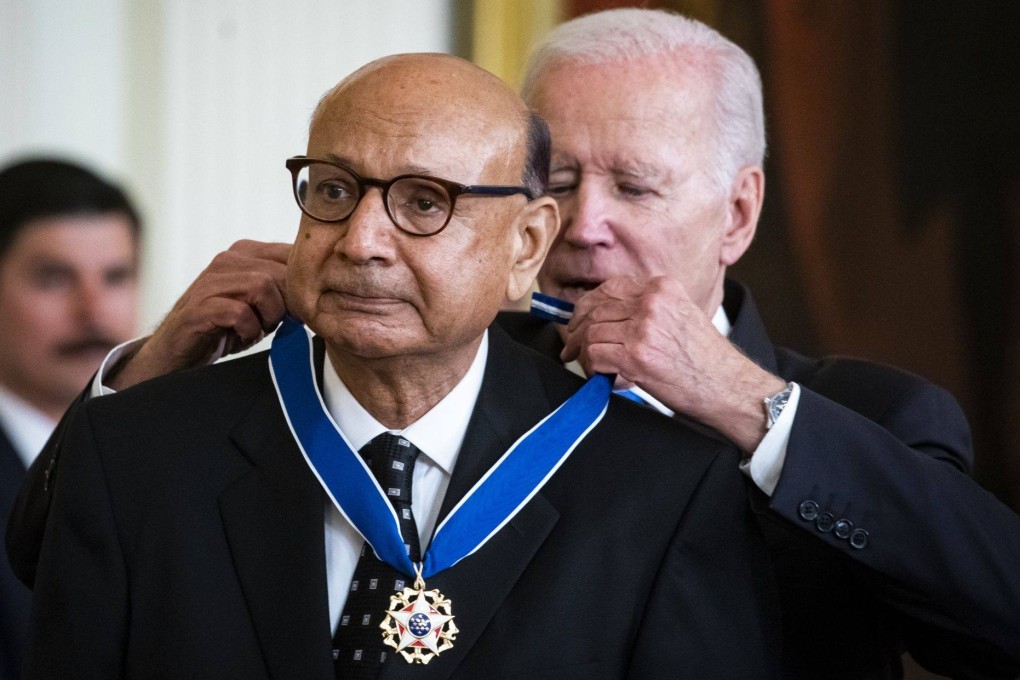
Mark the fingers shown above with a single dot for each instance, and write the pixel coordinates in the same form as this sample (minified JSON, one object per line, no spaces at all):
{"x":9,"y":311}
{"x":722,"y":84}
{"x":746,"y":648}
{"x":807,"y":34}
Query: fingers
{"x":239,"y":327}
{"x":623,"y":289}
{"x":232,"y":304}
{"x":262,"y":250}
{"x":252,"y":272}
{"x":266,"y":297}
{"x":630,"y":326}
{"x":615,"y":300}
{"x":608,"y":322}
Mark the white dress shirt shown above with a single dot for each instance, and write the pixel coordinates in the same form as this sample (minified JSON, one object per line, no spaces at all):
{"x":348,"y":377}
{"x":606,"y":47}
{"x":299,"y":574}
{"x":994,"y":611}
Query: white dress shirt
{"x":27,"y":427}
{"x":438,"y":435}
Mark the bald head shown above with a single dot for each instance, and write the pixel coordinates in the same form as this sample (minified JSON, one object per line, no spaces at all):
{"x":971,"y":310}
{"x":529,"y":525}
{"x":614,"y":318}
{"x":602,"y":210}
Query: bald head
{"x":432,"y":80}
{"x":450,"y":91}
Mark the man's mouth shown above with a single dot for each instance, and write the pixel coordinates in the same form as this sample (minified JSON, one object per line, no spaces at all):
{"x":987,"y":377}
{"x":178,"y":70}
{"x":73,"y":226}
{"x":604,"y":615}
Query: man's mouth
{"x":575,"y":288}
{"x":363,"y":301}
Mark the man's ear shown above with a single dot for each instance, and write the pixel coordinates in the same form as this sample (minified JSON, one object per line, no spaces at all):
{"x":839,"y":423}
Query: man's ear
{"x":746,"y":196}
{"x":535,"y":230}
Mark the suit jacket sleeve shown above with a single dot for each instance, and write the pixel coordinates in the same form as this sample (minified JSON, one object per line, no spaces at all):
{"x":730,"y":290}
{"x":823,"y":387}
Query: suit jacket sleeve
{"x":939,"y":547}
{"x":80,"y":603}
{"x":713,"y":608}
{"x":28,"y":517}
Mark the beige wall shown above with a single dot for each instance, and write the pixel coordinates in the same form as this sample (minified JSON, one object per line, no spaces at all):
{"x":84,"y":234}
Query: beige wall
{"x":194,"y":105}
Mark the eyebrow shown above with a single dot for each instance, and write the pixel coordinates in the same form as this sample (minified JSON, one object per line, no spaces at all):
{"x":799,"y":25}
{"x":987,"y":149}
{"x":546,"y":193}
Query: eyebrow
{"x":634,"y":169}
{"x":561,"y":161}
{"x":641,"y":170}
{"x":347,"y":162}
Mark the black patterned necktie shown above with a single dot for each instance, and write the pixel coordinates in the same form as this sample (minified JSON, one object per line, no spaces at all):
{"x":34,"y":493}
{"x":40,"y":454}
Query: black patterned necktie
{"x":358,"y":649}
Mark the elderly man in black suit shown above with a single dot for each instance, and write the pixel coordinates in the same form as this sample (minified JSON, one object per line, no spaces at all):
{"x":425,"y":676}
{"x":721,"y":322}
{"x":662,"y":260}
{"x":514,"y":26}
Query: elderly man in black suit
{"x":501,"y":519}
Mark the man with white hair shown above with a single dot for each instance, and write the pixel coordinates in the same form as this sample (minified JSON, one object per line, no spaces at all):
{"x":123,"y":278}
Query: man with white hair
{"x":879,"y":538}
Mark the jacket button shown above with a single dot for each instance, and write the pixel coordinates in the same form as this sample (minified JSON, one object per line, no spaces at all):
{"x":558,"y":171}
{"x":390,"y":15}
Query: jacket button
{"x":825,"y":522}
{"x":858,"y":539}
{"x":843,"y":528}
{"x":808,"y":511}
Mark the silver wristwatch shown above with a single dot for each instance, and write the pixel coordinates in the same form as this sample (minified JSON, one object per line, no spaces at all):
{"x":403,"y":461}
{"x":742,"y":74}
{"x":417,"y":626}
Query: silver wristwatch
{"x":775,"y":404}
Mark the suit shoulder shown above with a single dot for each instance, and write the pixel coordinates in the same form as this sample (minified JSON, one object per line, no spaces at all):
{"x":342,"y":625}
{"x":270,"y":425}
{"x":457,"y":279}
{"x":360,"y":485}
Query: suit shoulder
{"x":654,"y":434}
{"x":515,"y":323}
{"x":902,"y":402}
{"x":207,"y":389}
{"x":848,"y":376}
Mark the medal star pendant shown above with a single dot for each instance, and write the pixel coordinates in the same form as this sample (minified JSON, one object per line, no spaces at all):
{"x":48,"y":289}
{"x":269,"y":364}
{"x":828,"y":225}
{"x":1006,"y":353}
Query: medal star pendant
{"x":419,"y":624}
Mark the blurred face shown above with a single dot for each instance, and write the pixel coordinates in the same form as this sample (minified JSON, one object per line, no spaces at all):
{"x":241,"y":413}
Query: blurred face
{"x":630,"y":171}
{"x":371,"y":290}
{"x":68,"y":294}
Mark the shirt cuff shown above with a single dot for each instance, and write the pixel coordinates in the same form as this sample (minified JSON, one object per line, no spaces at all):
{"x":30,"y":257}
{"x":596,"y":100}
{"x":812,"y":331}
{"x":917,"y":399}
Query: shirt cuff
{"x":766,"y":463}
{"x":97,"y":388}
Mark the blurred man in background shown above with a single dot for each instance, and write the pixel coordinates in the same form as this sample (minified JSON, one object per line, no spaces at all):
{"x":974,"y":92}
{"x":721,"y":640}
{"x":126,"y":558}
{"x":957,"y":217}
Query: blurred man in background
{"x":68,"y":290}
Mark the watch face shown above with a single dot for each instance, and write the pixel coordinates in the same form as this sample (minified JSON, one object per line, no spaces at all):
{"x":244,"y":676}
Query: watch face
{"x":776,"y":404}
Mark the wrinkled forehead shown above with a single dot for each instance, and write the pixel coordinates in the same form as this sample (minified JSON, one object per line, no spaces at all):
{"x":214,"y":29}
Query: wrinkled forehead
{"x":638,"y":111}
{"x":425,"y":116}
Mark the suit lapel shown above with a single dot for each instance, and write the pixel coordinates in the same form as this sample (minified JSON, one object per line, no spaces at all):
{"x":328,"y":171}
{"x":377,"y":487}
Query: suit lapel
{"x":748,"y":331}
{"x":532,"y":331}
{"x":12,"y":471}
{"x":511,"y":401}
{"x":273,"y":518}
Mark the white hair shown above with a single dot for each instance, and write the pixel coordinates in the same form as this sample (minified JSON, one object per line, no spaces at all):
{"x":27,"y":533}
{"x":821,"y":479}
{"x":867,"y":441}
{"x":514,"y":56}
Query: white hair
{"x":621,"y":35}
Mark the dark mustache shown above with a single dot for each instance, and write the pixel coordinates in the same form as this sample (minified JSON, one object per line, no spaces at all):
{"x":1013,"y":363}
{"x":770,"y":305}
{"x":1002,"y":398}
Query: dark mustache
{"x":86,"y":345}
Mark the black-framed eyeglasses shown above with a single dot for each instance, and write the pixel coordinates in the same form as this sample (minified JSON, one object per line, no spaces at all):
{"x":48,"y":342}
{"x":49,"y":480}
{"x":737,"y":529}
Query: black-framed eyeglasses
{"x":419,"y":205}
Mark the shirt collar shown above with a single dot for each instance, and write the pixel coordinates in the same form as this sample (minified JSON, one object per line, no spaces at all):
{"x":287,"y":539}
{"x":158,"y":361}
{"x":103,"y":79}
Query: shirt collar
{"x":27,"y":427}
{"x":721,"y":321}
{"x":438,"y":434}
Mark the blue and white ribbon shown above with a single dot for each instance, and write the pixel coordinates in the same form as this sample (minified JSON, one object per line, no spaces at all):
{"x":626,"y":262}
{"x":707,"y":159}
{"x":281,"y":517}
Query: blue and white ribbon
{"x":554,"y":309}
{"x":497,"y":497}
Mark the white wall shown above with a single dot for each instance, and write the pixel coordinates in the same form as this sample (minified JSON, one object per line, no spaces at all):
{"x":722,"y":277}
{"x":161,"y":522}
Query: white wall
{"x":192,"y":104}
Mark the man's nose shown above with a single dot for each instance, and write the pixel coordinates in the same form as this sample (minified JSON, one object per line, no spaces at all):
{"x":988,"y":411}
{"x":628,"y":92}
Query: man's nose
{"x":586,"y":217}
{"x":368,"y":231}
{"x":90,"y":299}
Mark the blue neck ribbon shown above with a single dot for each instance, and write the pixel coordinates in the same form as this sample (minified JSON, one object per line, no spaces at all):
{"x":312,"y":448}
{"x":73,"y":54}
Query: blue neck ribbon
{"x":494,"y":500}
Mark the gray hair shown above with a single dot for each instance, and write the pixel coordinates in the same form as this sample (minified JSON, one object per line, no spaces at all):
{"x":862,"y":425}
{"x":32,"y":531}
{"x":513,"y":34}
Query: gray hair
{"x":620,"y":35}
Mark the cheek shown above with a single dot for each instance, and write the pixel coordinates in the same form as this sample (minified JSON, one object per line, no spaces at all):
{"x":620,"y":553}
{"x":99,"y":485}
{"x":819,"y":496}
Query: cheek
{"x":34,"y":317}
{"x":468,"y":282}
{"x":303,"y":267}
{"x":125,"y":310}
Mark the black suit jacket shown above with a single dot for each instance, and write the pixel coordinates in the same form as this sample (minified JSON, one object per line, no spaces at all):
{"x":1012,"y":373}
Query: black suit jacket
{"x":15,"y":598}
{"x":186,"y":539}
{"x":889,"y":453}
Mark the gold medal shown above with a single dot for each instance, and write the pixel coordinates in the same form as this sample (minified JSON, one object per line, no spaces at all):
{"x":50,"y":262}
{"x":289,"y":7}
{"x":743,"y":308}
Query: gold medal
{"x":419,"y":623}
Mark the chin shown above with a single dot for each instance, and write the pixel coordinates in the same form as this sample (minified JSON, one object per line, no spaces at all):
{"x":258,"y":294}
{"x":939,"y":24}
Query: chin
{"x":367,"y":339}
